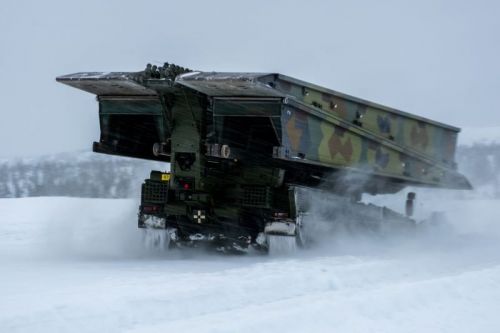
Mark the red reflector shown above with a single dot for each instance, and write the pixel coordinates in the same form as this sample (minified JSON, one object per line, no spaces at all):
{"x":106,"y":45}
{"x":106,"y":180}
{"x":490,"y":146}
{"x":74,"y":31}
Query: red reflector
{"x":150,"y":209}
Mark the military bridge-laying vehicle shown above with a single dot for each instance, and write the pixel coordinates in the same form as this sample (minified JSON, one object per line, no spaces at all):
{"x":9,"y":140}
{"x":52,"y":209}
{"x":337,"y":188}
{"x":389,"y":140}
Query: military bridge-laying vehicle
{"x":242,"y":148}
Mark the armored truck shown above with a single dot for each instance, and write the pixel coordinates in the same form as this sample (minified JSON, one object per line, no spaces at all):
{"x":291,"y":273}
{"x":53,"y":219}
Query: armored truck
{"x":244,"y":148}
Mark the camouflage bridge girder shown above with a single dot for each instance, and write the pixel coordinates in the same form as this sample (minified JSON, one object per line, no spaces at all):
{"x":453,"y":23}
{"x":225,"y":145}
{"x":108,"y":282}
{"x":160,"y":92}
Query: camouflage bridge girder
{"x":315,"y":125}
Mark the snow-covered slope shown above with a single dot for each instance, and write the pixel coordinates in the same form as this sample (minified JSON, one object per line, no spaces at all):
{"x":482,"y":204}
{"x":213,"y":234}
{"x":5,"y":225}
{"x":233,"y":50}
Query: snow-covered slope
{"x":77,"y":265}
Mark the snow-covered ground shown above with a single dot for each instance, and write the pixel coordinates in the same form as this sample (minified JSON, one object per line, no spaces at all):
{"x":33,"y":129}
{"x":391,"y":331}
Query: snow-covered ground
{"x":70,"y":264}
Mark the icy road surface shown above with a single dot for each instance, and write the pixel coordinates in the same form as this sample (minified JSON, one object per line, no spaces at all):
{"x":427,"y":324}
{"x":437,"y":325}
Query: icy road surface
{"x":76,"y":265}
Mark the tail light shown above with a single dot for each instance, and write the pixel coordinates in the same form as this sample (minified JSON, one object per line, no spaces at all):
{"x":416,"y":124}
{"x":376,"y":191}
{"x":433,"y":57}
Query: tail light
{"x":185,"y":183}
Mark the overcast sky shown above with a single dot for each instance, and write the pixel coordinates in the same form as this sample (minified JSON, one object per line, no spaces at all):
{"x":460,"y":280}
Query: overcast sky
{"x":438,"y":59}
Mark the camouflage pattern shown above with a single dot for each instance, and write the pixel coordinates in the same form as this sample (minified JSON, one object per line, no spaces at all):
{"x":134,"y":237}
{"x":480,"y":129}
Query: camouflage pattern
{"x":316,"y":138}
{"x":432,"y":139}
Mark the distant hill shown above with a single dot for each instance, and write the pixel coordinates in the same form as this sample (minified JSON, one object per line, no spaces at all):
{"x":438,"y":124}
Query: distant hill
{"x":478,"y":157}
{"x":78,"y":174}
{"x":481,"y":164}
